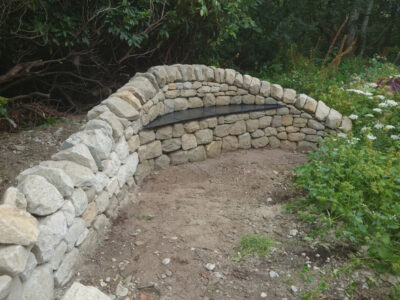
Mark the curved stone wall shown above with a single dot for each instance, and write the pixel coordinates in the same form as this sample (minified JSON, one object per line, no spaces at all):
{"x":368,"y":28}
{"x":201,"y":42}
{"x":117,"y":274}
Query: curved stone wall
{"x":61,"y":206}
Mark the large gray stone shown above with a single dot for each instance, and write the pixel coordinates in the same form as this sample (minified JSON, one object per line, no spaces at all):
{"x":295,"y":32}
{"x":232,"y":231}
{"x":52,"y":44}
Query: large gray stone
{"x":149,"y":151}
{"x":146,"y":136}
{"x":80,"y":175}
{"x":40,"y":285}
{"x":80,"y":201}
{"x":122,"y":149}
{"x":197,"y":154}
{"x":189,"y":141}
{"x":310,"y":105}
{"x":77,"y":228}
{"x":255,"y":86}
{"x":67,"y":268}
{"x":315,"y":125}
{"x":5,"y":286}
{"x":130,"y":98}
{"x":245,"y":141}
{"x":322,"y":111}
{"x":162,"y":162}
{"x":121,"y":108}
{"x":276,"y":91}
{"x":171,"y":145}
{"x":114,"y":121}
{"x":80,"y":292}
{"x":17,"y":226}
{"x":78,"y":153}
{"x":16,"y":289}
{"x":111,"y":165}
{"x":179,"y":157}
{"x":204,"y":136}
{"x":288,"y":96}
{"x":42,"y":197}
{"x":97,"y":111}
{"x":53,"y":229}
{"x":29,"y":267}
{"x":265,"y":89}
{"x":13,"y":259}
{"x":98,"y":142}
{"x":230,"y":143}
{"x":55,"y":176}
{"x":334,"y":119}
{"x":58,"y":255}
{"x":143,"y":88}
{"x":346,"y":124}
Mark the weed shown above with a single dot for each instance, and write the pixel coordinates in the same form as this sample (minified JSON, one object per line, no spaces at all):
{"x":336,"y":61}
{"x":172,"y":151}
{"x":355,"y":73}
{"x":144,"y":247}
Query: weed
{"x":145,"y":217}
{"x":252,"y":245}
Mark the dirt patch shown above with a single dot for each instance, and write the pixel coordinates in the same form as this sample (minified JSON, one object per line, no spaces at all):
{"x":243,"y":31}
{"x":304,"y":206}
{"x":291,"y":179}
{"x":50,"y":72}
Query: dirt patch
{"x":179,"y":237}
{"x":22,"y":150}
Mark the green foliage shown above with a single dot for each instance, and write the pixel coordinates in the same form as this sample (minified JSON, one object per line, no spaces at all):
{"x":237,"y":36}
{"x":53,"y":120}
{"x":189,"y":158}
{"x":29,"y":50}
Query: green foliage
{"x":3,"y":110}
{"x":252,"y":245}
{"x":145,"y":217}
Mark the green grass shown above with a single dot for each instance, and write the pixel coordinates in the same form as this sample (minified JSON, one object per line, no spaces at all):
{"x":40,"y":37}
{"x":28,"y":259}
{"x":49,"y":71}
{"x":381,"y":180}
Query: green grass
{"x":145,"y":217}
{"x":254,"y":245}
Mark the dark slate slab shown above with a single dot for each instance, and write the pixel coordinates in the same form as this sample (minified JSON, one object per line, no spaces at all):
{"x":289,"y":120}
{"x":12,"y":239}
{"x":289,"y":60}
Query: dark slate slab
{"x":199,"y":113}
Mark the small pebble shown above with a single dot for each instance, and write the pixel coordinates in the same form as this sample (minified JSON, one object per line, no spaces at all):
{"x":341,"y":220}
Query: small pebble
{"x":210,"y":266}
{"x":293,"y":288}
{"x":166,"y":261}
{"x":263,"y":295}
{"x":273,"y":274}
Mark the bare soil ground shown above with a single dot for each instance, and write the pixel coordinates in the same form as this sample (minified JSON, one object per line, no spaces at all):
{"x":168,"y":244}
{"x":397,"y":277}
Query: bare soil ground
{"x":24,"y":149}
{"x":185,"y":218}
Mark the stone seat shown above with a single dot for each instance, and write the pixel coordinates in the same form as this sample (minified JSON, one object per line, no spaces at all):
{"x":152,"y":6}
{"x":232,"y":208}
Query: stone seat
{"x":199,"y":113}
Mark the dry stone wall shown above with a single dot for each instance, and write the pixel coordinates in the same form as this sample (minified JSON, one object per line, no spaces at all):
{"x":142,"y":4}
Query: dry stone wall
{"x":61,"y":206}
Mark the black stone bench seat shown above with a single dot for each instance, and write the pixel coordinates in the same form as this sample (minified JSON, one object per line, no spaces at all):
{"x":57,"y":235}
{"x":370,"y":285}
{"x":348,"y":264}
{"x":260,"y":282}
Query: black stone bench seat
{"x":199,"y":113}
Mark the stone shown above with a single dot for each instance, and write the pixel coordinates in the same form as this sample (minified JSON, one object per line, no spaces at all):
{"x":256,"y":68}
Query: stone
{"x":114,"y":121}
{"x":252,"y":125}
{"x":66,"y":269}
{"x":58,"y":255}
{"x":134,"y":143}
{"x":178,"y":130}
{"x":289,"y":96}
{"x":296,"y":136}
{"x":102,"y":201}
{"x":282,"y":111}
{"x":121,"y":291}
{"x":130,"y":98}
{"x":181,"y":104}
{"x":179,"y":157}
{"x":80,"y":154}
{"x":276,"y":91}
{"x":17,"y":226}
{"x":288,"y":145}
{"x":97,"y":141}
{"x":230,"y":143}
{"x":256,"y":114}
{"x":13,"y":259}
{"x":162,"y":162}
{"x":80,"y":292}
{"x":248,"y":99}
{"x":230,"y":76}
{"x":230,"y":119}
{"x":264,"y":122}
{"x":222,"y":100}
{"x":270,"y":131}
{"x":293,"y":129}
{"x":146,"y":136}
{"x":307,"y":130}
{"x":315,"y":125}
{"x":111,"y":165}
{"x":322,"y":111}
{"x":244,"y":141}
{"x":101,"y":223}
{"x":149,"y":151}
{"x":247,"y":81}
{"x":5,"y":286}
{"x":69,"y":211}
{"x":97,"y":111}
{"x":80,"y":201}
{"x":346,"y":124}
{"x":171,"y":145}
{"x":300,"y":101}
{"x":54,"y":176}
{"x":143,"y":170}
{"x":195,"y":102}
{"x":214,"y":149}
{"x":90,"y":214}
{"x":204,"y":136}
{"x":29,"y":267}
{"x":189,"y":141}
{"x":282,"y":135}
{"x":209,"y":99}
{"x":274,"y":142}
{"x":192,"y":126}
{"x":40,"y":285}
{"x":300,"y":122}
{"x":276,"y":121}
{"x":143,"y":88}
{"x":99,"y":124}
{"x":259,"y":142}
{"x":42,"y":197}
{"x":84,"y":235}
{"x":310,"y":105}
{"x":222,"y":130}
{"x":169,"y":105}
{"x":255,"y":86}
{"x":53,"y":229}
{"x":197,"y":154}
{"x":236,"y":100}
{"x":122,"y":149}
{"x":164,"y":133}
{"x":312,"y":138}
{"x":238,"y":80}
{"x":287,"y":120}
{"x":334,"y":119}
{"x":12,"y":196}
{"x":258,"y":133}
{"x":172,"y":94}
{"x":237,"y":128}
{"x":260,"y":100}
{"x":77,"y":228}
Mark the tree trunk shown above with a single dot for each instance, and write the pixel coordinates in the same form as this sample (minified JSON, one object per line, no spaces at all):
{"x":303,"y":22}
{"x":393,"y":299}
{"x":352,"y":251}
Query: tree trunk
{"x":352,"y":26}
{"x":364,"y":26}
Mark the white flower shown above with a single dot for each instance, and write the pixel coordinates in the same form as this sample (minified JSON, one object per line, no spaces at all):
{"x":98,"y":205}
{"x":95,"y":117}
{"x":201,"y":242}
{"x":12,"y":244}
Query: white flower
{"x":364,"y":129}
{"x":391,"y":103}
{"x":395,"y":137}
{"x":342,"y":135}
{"x":353,"y":117}
{"x":359,"y":92}
{"x":378,"y":125}
{"x":369,"y":115}
{"x":378,"y":110}
{"x":383,"y":104}
{"x":371,"y":137}
{"x":354,"y":140}
{"x":389,"y":127}
{"x":380,"y":97}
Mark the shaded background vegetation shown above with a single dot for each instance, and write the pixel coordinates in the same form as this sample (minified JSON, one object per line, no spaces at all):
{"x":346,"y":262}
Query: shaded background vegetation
{"x":60,"y":56}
